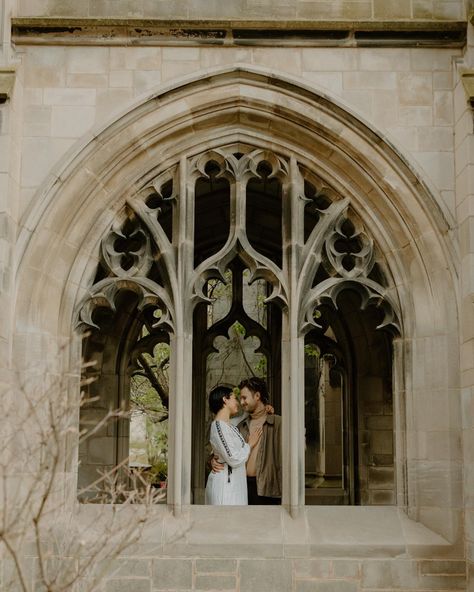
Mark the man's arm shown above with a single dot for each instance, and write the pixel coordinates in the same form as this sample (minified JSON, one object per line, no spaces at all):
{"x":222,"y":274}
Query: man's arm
{"x":216,"y":466}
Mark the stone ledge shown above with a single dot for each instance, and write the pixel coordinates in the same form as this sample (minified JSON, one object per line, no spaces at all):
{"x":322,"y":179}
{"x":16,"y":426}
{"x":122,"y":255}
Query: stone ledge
{"x":289,"y":33}
{"x":269,"y":532}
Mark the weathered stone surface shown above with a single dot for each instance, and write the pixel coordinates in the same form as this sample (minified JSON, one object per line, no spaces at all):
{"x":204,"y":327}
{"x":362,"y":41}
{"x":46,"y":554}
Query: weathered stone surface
{"x":346,"y":569}
{"x":326,"y":586}
{"x":265,"y":576}
{"x":432,"y":568}
{"x":392,"y":9}
{"x":345,"y":9}
{"x":215,"y":582}
{"x":311,"y":568}
{"x":389,"y":575}
{"x":225,"y":566}
{"x":130,"y":568}
{"x":381,"y":497}
{"x":174,"y":574}
{"x":125,"y":585}
{"x":380,"y":477}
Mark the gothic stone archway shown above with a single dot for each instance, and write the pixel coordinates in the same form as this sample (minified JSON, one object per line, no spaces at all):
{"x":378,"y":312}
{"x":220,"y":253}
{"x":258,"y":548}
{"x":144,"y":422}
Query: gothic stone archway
{"x":257,"y":204}
{"x":235,"y":106}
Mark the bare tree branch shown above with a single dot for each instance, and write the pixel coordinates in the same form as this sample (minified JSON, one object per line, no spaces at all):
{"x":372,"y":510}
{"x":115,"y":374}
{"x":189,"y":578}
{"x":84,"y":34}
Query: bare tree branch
{"x":39,"y":437}
{"x":154,"y":381}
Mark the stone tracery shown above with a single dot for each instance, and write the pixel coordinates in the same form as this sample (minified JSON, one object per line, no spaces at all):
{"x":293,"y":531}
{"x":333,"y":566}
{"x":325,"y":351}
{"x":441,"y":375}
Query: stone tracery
{"x":150,"y":253}
{"x":336,"y":243}
{"x":126,"y":259}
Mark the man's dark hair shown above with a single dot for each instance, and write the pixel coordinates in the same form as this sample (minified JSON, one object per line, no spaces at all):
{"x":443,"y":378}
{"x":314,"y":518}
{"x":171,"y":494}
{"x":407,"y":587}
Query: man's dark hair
{"x":255,"y":385}
{"x":217,"y":396}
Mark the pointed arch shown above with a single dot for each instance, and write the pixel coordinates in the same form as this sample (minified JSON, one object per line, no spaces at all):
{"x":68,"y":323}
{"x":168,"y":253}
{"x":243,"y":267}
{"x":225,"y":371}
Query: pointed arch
{"x":61,"y":235}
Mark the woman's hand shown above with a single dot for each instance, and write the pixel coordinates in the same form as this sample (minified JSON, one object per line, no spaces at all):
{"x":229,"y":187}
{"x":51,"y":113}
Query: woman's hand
{"x":269,"y":410}
{"x":255,"y":437}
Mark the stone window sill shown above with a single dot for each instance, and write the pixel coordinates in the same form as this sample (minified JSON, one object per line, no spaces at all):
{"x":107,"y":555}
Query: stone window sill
{"x":349,"y":532}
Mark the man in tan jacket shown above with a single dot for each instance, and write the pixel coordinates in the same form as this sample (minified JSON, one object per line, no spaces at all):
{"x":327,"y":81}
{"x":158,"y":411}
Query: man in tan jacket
{"x":264,"y":462}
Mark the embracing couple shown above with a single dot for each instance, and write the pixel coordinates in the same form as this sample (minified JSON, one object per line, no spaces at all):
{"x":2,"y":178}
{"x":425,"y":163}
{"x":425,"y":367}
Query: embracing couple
{"x":246,"y":465}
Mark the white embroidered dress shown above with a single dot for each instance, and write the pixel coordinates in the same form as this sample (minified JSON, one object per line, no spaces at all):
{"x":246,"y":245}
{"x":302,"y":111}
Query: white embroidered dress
{"x":228,"y":487}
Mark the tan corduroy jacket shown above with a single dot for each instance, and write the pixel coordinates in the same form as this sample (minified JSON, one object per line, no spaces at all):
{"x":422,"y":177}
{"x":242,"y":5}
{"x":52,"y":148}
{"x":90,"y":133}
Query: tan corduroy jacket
{"x":268,"y":462}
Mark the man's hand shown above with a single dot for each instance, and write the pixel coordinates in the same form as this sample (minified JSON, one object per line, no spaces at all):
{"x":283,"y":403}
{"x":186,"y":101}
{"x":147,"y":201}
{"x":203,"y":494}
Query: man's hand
{"x":269,"y":410}
{"x":216,"y":465}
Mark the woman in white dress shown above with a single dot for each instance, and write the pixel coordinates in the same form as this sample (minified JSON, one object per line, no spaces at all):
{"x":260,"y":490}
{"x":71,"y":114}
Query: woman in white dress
{"x":229,"y":486}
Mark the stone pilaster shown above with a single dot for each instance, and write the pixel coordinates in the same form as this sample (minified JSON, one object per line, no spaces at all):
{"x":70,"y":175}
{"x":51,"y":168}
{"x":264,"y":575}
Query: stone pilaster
{"x":464,"y":147}
{"x":11,"y":93}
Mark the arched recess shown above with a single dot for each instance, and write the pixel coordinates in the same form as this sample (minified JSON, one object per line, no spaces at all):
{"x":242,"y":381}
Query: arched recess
{"x":79,"y":205}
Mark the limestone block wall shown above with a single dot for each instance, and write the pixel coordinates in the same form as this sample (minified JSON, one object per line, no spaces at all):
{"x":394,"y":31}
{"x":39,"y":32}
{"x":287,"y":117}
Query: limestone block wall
{"x":405,"y":93}
{"x":145,"y":571}
{"x":11,"y":118}
{"x":65,"y":94}
{"x":376,"y":465}
{"x":269,"y":9}
{"x":281,"y":575}
{"x":302,"y":555}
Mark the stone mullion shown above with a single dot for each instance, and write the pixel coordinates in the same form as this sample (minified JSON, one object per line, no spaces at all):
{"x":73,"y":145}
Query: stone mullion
{"x":181,"y":348}
{"x":238,"y":206}
{"x":292,"y":348}
{"x":399,"y":388}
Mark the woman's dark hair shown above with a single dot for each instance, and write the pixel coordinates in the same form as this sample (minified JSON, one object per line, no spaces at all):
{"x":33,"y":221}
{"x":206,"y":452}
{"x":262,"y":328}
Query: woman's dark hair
{"x":217,"y":396}
{"x":256,"y":385}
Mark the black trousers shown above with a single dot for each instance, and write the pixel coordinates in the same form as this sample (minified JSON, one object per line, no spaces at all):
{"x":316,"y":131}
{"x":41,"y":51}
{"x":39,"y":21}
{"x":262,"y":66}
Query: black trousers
{"x":259,"y":500}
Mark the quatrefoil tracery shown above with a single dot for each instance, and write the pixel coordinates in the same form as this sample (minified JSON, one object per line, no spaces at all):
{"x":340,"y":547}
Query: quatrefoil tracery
{"x":126,"y":252}
{"x":347,"y":254}
{"x":127,"y":260}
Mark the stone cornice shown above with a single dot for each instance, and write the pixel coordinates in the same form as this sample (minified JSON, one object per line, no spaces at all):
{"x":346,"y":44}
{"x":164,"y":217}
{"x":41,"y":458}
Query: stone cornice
{"x":292,"y":33}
